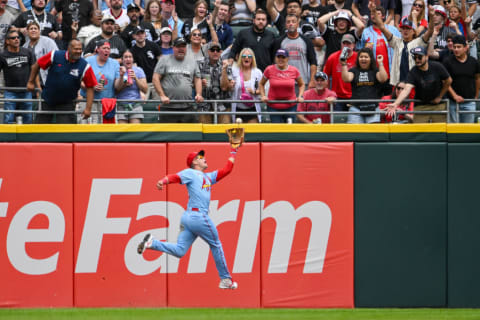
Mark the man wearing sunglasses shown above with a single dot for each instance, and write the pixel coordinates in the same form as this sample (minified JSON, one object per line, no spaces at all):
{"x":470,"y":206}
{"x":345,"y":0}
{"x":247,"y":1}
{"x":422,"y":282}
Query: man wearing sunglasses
{"x":431,"y":82}
{"x":16,"y":63}
{"x":195,"y":221}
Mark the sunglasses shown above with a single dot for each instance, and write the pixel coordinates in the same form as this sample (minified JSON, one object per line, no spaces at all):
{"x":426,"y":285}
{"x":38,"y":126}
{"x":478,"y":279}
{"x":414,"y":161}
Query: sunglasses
{"x":418,"y":5}
{"x":14,"y":37}
{"x":196,"y":34}
{"x":320,"y":79}
{"x":215,"y":50}
{"x":281,"y":57}
{"x":417,"y":57}
{"x":247,"y":56}
{"x":200,"y":157}
{"x":399,"y":88}
{"x":447,"y":1}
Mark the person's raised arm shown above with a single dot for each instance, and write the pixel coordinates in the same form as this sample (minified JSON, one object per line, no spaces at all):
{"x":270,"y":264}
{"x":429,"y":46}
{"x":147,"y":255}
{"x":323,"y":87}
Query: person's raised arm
{"x":272,"y":12}
{"x":322,"y":21}
{"x":379,"y":22}
{"x":431,"y":13}
{"x":381,"y":75}
{"x":222,"y":173}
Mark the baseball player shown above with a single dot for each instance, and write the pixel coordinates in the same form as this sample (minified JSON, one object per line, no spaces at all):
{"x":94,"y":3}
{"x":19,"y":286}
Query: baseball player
{"x":195,"y":221}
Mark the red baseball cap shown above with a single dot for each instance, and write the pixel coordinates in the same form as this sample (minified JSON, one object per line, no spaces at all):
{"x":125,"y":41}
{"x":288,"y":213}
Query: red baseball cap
{"x":172,"y":1}
{"x":192,"y":155}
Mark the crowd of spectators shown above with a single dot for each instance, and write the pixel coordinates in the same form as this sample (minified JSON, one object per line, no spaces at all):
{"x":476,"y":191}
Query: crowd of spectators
{"x":346,"y":54}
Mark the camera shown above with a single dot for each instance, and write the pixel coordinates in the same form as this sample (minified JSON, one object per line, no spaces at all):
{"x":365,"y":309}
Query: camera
{"x":344,"y":54}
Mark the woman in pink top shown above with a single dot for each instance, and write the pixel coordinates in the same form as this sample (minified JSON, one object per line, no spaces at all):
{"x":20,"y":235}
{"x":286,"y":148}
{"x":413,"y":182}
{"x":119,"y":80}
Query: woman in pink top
{"x":282,"y":78}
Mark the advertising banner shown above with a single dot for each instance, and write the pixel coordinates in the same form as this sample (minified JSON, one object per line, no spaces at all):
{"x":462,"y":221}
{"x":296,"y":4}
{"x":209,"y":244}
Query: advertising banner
{"x":116,"y":204}
{"x":307,"y":225}
{"x":72,"y":215}
{"x":36,"y":220}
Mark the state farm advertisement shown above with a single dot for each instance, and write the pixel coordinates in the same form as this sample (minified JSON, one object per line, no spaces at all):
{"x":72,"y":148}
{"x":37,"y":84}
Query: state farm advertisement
{"x":72,"y":215}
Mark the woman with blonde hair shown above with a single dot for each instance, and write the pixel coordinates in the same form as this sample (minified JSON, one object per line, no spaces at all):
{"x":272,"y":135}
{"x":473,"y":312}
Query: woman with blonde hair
{"x":246,"y":77}
{"x":417,"y":16}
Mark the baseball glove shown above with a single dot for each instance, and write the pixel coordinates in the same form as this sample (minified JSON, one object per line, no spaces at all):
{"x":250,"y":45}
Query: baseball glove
{"x":236,"y":136}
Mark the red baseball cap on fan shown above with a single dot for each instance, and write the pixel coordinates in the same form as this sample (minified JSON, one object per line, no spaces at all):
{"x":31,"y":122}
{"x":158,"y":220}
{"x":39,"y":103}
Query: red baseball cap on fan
{"x":172,"y":1}
{"x":192,"y":155}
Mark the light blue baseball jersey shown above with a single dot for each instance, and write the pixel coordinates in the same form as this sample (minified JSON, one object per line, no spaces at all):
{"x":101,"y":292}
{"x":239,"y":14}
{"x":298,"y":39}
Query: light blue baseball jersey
{"x":199,"y":186}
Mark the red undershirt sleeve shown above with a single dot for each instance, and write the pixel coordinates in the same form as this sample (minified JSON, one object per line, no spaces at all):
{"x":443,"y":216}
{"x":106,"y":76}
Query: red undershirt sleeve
{"x":225,"y":170}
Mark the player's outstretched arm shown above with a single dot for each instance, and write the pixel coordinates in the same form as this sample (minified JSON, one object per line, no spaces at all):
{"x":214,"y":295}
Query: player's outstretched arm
{"x":171,"y":178}
{"x":229,"y":166}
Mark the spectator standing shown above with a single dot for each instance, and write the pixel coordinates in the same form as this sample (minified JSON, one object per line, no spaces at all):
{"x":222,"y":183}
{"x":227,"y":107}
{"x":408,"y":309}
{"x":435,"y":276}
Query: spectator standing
{"x":215,"y":84}
{"x":186,"y":9}
{"x":6,"y":19}
{"x":119,"y":15}
{"x":333,"y":69}
{"x":153,"y":15}
{"x":134,"y":82}
{"x":402,"y":62}
{"x":312,"y":11}
{"x":222,"y":28}
{"x":278,"y":17}
{"x":241,"y":12}
{"x":465,"y":73}
{"x":48,"y":23}
{"x":360,"y":9}
{"x":87,"y":33}
{"x":173,"y":78}
{"x":16,"y":63}
{"x":373,"y":38}
{"x":166,"y":41}
{"x":417,"y":16}
{"x":246,"y":78}
{"x":300,"y":50}
{"x":282,"y":78}
{"x":67,"y":70}
{"x":431,"y":82}
{"x":343,"y":23}
{"x":440,"y":55}
{"x":133,"y":12}
{"x":75,"y":13}
{"x":107,"y":73}
{"x":199,"y":21}
{"x":366,"y":80}
{"x":40,"y":45}
{"x":442,"y":30}
{"x":256,"y":37}
{"x":117,"y":46}
{"x":146,"y":54}
{"x":168,"y":13}
{"x":320,"y":92}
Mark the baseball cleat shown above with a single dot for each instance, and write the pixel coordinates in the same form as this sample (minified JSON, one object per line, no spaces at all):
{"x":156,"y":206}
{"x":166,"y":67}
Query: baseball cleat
{"x":146,"y":243}
{"x":228,"y":284}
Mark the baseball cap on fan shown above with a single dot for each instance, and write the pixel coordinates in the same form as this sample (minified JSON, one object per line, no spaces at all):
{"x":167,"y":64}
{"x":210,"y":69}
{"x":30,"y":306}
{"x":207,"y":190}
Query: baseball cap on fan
{"x":192,"y":155}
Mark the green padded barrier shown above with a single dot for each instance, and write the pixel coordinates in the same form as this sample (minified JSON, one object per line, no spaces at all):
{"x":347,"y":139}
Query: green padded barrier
{"x":463,"y":225}
{"x":400,"y":224}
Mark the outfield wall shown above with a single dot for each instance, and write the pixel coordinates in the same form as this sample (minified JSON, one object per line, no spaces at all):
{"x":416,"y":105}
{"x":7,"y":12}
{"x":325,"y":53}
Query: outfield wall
{"x":378,"y":216}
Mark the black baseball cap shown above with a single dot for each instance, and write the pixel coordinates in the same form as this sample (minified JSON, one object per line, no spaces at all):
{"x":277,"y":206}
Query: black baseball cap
{"x":133,"y":6}
{"x":179,"y":42}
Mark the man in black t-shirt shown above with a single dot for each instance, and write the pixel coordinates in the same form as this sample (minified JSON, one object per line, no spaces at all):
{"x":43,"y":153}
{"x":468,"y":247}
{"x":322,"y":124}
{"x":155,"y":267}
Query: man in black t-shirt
{"x":145,"y":53}
{"x":133,"y":12}
{"x":48,"y":23}
{"x":16,"y":63}
{"x":465,"y":73}
{"x":75,"y":13}
{"x":431,"y":82}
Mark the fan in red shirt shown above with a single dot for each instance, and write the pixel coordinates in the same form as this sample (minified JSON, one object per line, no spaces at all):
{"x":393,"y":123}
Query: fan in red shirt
{"x":320,"y":92}
{"x":282,"y":78}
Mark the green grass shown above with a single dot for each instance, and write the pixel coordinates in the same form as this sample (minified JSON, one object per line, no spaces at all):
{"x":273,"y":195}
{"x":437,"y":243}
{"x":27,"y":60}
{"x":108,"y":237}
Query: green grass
{"x":247,"y":314}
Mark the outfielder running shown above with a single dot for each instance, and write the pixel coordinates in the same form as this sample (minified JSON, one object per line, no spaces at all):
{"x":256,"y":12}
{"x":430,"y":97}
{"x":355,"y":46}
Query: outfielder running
{"x":195,"y":221}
